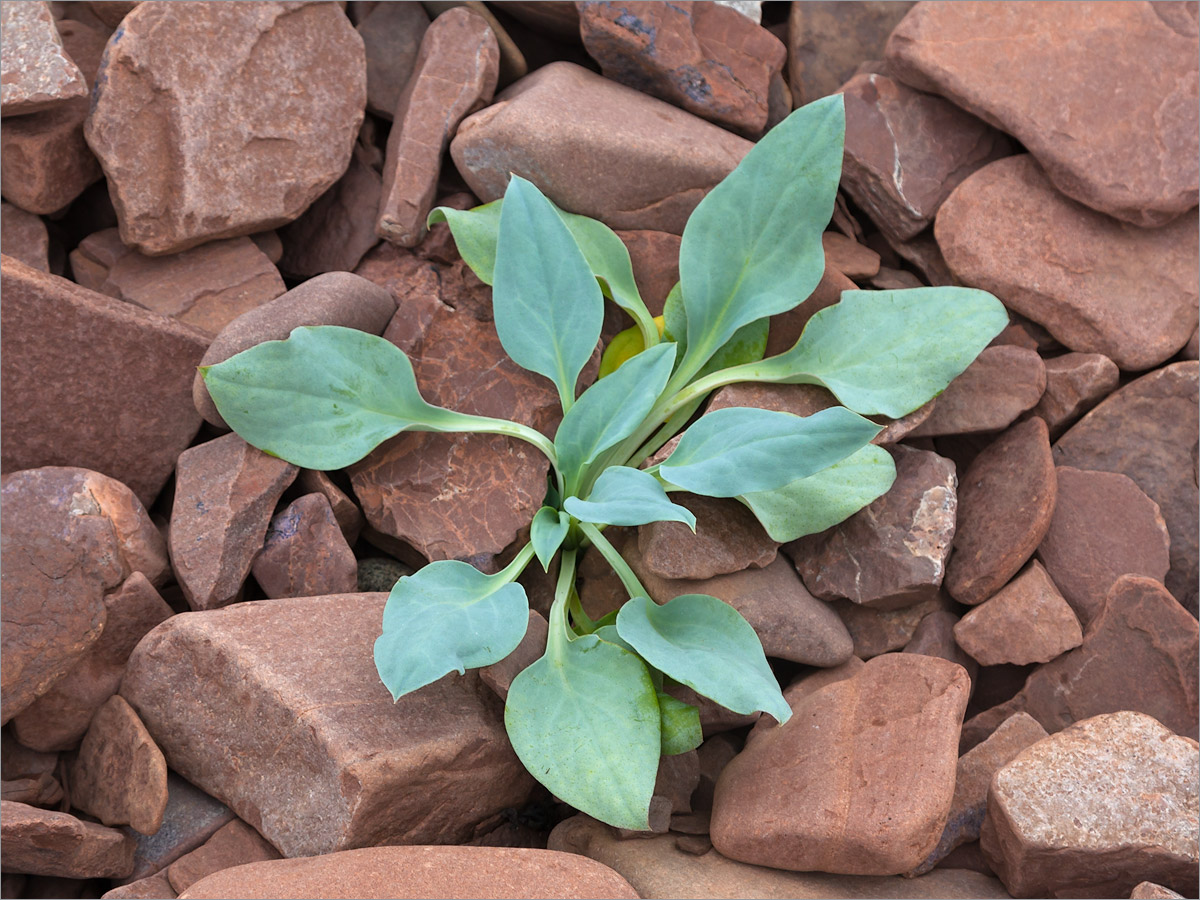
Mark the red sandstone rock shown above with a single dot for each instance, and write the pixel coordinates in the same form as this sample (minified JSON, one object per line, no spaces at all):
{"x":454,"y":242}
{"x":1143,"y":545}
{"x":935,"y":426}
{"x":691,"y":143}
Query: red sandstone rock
{"x":190,"y":819}
{"x":876,"y":631}
{"x":28,"y":776}
{"x":934,"y":636}
{"x":989,"y":395}
{"x":38,"y":74}
{"x":499,"y":676}
{"x":1075,"y":382}
{"x":1148,"y":890}
{"x":235,"y":844}
{"x":391,"y":34}
{"x":728,"y":538}
{"x":848,"y":256}
{"x":43,"y":842}
{"x":152,"y":887}
{"x":25,"y":237}
{"x":305,"y":554}
{"x":349,"y":517}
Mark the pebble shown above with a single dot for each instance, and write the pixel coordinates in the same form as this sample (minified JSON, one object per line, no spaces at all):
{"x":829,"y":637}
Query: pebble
{"x":45,"y":842}
{"x":304,"y":553}
{"x":1075,"y":382}
{"x":728,"y":538}
{"x":38,"y":73}
{"x":989,"y":395}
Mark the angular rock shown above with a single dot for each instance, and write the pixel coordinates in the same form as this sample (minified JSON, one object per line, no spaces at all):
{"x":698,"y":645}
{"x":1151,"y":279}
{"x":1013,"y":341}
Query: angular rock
{"x":235,"y":844}
{"x":43,"y":842}
{"x":934,"y":636}
{"x":1095,"y":809}
{"x":728,"y":538}
{"x":362,"y":770}
{"x":989,"y":395}
{"x":596,"y":148}
{"x":28,"y":775}
{"x":193,"y":155}
{"x":513,"y":64}
{"x":190,"y":819}
{"x":1148,"y":890}
{"x":38,"y":74}
{"x":499,"y":676}
{"x":848,"y":256}
{"x":152,"y":887}
{"x":349,"y":517}
{"x":1096,"y":284}
{"x":555,"y":18}
{"x":1075,"y":382}
{"x":111,"y":12}
{"x":25,"y":237}
{"x":655,"y":259}
{"x":305,"y":554}
{"x":391,"y":35}
{"x":1005,"y":504}
{"x":785,"y":328}
{"x":1107,"y":103}
{"x":62,"y":403}
{"x":876,"y":631}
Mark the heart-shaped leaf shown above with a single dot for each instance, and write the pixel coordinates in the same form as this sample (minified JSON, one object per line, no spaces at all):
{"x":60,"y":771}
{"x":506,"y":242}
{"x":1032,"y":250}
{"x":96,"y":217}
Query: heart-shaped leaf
{"x":625,"y":496}
{"x":547,"y":532}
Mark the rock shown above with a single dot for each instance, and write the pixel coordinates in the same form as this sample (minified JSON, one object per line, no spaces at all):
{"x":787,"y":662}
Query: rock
{"x":305,"y":554}
{"x":1096,"y":284}
{"x":1075,"y":382}
{"x":152,"y":887}
{"x":190,"y":819}
{"x":848,"y":256}
{"x":28,"y":775}
{"x":120,"y":775}
{"x":1191,"y":350}
{"x":876,"y":631}
{"x":785,"y":328}
{"x":906,"y":151}
{"x":1094,"y":810}
{"x":361,"y":770}
{"x":655,"y":259}
{"x":234,"y":844}
{"x":349,"y":517}
{"x":1113,"y":134}
{"x":513,"y":64}
{"x":63,"y":406}
{"x":934,"y":636}
{"x":596,"y":148}
{"x":892,"y":553}
{"x":989,"y":395}
{"x":25,"y":237}
{"x":391,"y":34}
{"x":499,"y":676}
{"x":205,"y":287}
{"x":555,"y":18}
{"x":1148,"y":890}
{"x":44,"y":842}
{"x":380,"y":573}
{"x":1026,"y":621}
{"x":1103,"y":527}
{"x":728,"y":538}
{"x":111,"y":12}
{"x":1147,"y":430}
{"x":247,"y":150}
{"x":1005,"y":503}
{"x":454,"y":75}
{"x":858,"y":781}
{"x":38,"y":74}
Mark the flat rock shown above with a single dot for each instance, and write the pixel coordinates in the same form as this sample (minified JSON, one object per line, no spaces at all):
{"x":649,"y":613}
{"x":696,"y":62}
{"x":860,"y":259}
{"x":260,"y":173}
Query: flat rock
{"x":304,"y":553}
{"x":1095,"y":809}
{"x":1075,"y":382}
{"x":596,"y":148}
{"x":848,"y":256}
{"x":391,"y":34}
{"x":1147,"y":430}
{"x":232,"y":148}
{"x":655,"y":259}
{"x":38,"y":74}
{"x":24,"y":236}
{"x":349,"y":517}
{"x":989,"y":395}
{"x":356,"y":770}
{"x":1096,"y":284}
{"x":62,"y":405}
{"x":234,"y":844}
{"x":152,"y":887}
{"x":44,"y":842}
{"x":28,"y":776}
{"x":878,"y":631}
{"x":225,"y":493}
{"x":190,"y":819}
{"x":1107,"y":103}
{"x":728,"y":538}
{"x":1005,"y":504}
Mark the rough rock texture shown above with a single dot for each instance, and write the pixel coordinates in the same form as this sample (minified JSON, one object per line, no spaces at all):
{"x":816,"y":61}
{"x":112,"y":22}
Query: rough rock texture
{"x":27,"y":775}
{"x":62,"y":406}
{"x":242,"y":144}
{"x":848,"y":256}
{"x":152,"y":887}
{"x":876,"y":631}
{"x":989,"y":395}
{"x":1106,"y":102}
{"x":596,"y":148}
{"x":44,"y":842}
{"x":934,"y":636}
{"x":1096,"y":284}
{"x":362,"y":771}
{"x":728,"y":538}
{"x":38,"y":74}
{"x":499,"y":676}
{"x":655,"y":259}
{"x":1095,"y":809}
{"x":190,"y":819}
{"x":232,"y":845}
{"x":1075,"y":382}
{"x":349,"y":517}
{"x":858,"y":781}
{"x":391,"y":34}
{"x":24,"y":236}
{"x":305,"y":554}
{"x":1148,"y":890}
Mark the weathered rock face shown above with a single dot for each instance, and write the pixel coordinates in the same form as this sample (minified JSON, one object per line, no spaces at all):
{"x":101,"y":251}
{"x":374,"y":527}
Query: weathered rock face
{"x":304,"y":553}
{"x":234,"y":844}
{"x":24,"y":236}
{"x":1075,"y":382}
{"x":38,"y":74}
{"x":877,"y":631}
{"x":391,"y":34}
{"x":1107,"y":103}
{"x":1000,"y":384}
{"x":190,"y":818}
{"x":1063,"y":815}
{"x":242,"y":144}
{"x":44,"y":842}
{"x":727,"y":539}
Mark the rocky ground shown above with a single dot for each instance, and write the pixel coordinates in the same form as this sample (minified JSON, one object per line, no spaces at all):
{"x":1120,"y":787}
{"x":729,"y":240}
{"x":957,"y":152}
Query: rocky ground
{"x":993,"y":668}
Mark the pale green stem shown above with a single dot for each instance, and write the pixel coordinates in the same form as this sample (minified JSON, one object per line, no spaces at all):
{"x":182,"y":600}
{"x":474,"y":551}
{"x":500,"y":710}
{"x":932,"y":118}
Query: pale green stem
{"x":513,"y":570}
{"x":487,"y":425}
{"x":630,"y":581}
{"x":560,"y":632}
{"x":647,"y":327}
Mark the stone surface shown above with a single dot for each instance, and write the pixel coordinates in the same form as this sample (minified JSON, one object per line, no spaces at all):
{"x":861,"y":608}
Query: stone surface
{"x":934,"y":636}
{"x":190,"y":819}
{"x":655,"y":259}
{"x":728,"y":538}
{"x":1095,"y":809}
{"x":362,"y":771}
{"x":1075,"y":382}
{"x":1148,"y":890}
{"x":596,"y":148}
{"x":234,"y":844}
{"x":1005,"y":504}
{"x":44,"y":842}
{"x":513,"y":64}
{"x":305,"y":554}
{"x":876,"y":631}
{"x":349,"y":517}
{"x":892,"y":553}
{"x":152,"y":887}
{"x":1096,"y":284}
{"x":848,"y":256}
{"x":61,"y":406}
{"x":28,"y":776}
{"x":1107,"y":103}
{"x":241,"y":145}
{"x":989,"y":395}
{"x":499,"y":676}
{"x":391,"y":35}
{"x":38,"y":73}
{"x":24,"y":237}
{"x":1148,"y":431}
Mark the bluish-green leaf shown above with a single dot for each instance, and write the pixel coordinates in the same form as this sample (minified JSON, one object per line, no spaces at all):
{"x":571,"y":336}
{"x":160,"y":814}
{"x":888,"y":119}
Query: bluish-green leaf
{"x":475,"y":231}
{"x":626,"y":496}
{"x":680,"y":723}
{"x":741,"y":449}
{"x":609,"y":633}
{"x":810,"y":505}
{"x":704,"y":643}
{"x":547,"y":532}
{"x":747,"y":344}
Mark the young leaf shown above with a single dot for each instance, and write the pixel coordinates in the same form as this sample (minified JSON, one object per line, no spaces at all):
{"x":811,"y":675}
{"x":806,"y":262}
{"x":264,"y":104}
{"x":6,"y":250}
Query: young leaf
{"x":547,"y":532}
{"x":741,"y":449}
{"x":625,"y":496}
{"x":747,"y":344}
{"x":609,"y":633}
{"x":680,"y":723}
{"x":822,"y":500}
{"x":475,"y":232}
{"x":704,"y":643}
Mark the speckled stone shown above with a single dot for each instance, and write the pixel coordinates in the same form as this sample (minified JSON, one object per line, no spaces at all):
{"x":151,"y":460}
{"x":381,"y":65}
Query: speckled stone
{"x":38,"y":74}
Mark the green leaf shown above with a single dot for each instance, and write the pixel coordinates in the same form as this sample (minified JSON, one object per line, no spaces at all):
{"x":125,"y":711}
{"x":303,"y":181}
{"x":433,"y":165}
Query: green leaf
{"x":609,"y":633}
{"x":448,"y":617}
{"x":889,"y":352}
{"x":704,"y":643}
{"x":586,"y":725}
{"x":810,"y":505}
{"x":680,"y":724}
{"x":625,"y":496}
{"x":741,"y":449}
{"x":547,"y":532}
{"x":747,"y":344}
{"x":475,"y":232}
{"x":547,"y":305}
{"x":752,"y":248}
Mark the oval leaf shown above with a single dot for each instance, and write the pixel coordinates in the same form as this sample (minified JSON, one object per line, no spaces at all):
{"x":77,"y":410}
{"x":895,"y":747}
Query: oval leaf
{"x":680,"y":723}
{"x":625,"y":496}
{"x":475,"y":232}
{"x":547,"y":532}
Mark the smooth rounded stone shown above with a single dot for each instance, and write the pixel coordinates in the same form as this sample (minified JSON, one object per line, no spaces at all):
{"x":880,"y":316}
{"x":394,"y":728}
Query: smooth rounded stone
{"x":1075,"y":382}
{"x":38,"y":73}
{"x":190,"y":819}
{"x":234,"y":844}
{"x":304,"y":553}
{"x":499,"y":676}
{"x":24,"y":236}
{"x":934,"y":636}
{"x":44,"y":842}
{"x":233,"y":148}
{"x":892,"y":553}
{"x":878,"y":631}
{"x":596,"y":148}
{"x":1147,"y":430}
{"x":1107,"y":103}
{"x":1148,"y":890}
{"x":336,"y":298}
{"x":391,"y":35}
{"x":328,"y":761}
{"x":1005,"y":504}
{"x":858,"y":781}
{"x":349,"y":517}
{"x":728,"y":538}
{"x":1095,"y":809}
{"x":62,"y":406}
{"x":848,"y":256}
{"x":1104,"y":526}
{"x":152,"y":887}
{"x":1096,"y":284}
{"x":1191,"y":350}
{"x":989,"y":395}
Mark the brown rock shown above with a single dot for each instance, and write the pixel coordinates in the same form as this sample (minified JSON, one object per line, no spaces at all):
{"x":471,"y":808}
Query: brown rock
{"x":513,"y":64}
{"x":848,"y":256}
{"x":786,"y":327}
{"x":111,"y":12}
{"x":1096,"y":284}
{"x":1005,"y":503}
{"x":349,"y":517}
{"x":1062,"y":815}
{"x":235,"y":844}
{"x":1191,"y":350}
{"x":499,"y":676}
{"x":596,"y":148}
{"x":555,"y":18}
{"x":924,"y":255}
{"x":305,"y":554}
{"x":38,"y":74}
{"x":727,"y":539}
{"x":934,"y":636}
{"x":655,"y":259}
{"x":1148,"y":890}
{"x":28,"y":775}
{"x":25,"y":237}
{"x":391,"y":34}
{"x":76,"y":363}
{"x":877,"y":631}
{"x":190,"y":819}
{"x":44,"y":790}
{"x":152,"y":887}
{"x":43,"y":842}
{"x":1147,"y":430}
{"x":247,"y":151}
{"x":989,"y":395}
{"x":454,"y":75}
{"x":120,"y":776}
{"x":1075,"y":382}
{"x":362,"y":770}
{"x":889,"y":279}
{"x":858,"y":781}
